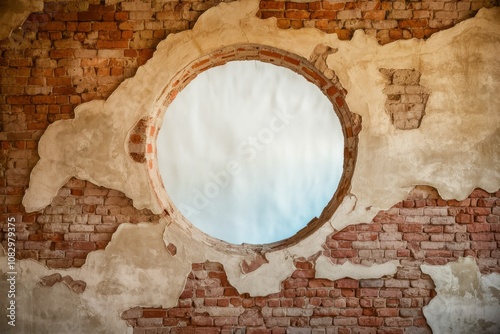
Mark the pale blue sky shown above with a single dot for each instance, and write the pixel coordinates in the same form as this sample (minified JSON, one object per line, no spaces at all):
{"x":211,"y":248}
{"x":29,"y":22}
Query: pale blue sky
{"x":250,"y":152}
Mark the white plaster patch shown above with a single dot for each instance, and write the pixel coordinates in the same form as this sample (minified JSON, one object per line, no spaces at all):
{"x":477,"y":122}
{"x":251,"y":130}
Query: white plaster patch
{"x":326,"y":269}
{"x":134,"y":269}
{"x":14,"y":13}
{"x":466,"y":302}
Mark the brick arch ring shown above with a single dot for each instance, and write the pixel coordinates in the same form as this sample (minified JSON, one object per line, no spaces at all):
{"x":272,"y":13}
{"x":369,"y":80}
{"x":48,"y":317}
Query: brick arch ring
{"x":350,"y":122}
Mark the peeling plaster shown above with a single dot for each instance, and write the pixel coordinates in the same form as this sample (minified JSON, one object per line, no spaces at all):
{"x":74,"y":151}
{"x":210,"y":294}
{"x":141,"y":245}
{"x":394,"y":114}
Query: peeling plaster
{"x":455,"y":149}
{"x":466,"y":302}
{"x":326,"y":269}
{"x":14,"y":13}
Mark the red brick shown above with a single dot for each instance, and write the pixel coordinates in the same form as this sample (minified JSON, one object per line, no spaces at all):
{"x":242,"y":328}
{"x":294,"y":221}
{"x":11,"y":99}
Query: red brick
{"x":324,"y":14}
{"x":415,"y":23}
{"x":84,"y":245}
{"x":297,"y":14}
{"x":53,"y":26}
{"x":345,"y":236}
{"x":370,"y":321}
{"x":475,"y":228}
{"x":387,"y":312}
{"x":272,"y":5}
{"x":482,"y":236}
{"x":344,"y":253}
{"x":417,"y":228}
{"x":347,"y":283}
{"x":108,"y":26}
{"x":368,"y":292}
{"x":89,"y":16}
{"x":438,"y":253}
{"x":120,"y":44}
{"x":374,"y":15}
{"x":296,"y":283}
{"x":154,"y":313}
{"x":483,"y":245}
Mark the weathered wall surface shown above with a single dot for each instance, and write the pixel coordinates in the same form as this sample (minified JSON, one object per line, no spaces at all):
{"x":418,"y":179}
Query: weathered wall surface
{"x":163,"y":274}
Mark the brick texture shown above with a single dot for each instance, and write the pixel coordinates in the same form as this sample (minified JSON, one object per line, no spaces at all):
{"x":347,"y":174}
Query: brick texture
{"x":77,"y":51}
{"x":69,"y":53}
{"x":415,"y":231}
{"x":81,"y":219}
{"x":406,"y":98}
{"x":387,"y":20}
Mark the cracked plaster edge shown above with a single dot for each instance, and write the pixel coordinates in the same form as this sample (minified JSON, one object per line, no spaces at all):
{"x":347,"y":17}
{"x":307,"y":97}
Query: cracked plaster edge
{"x":14,"y":13}
{"x":407,"y":54}
{"x":244,"y":23}
{"x":118,"y":264}
{"x":326,"y":269}
{"x":54,"y":161}
{"x":349,"y":209}
{"x":463,"y":305}
{"x":360,"y":212}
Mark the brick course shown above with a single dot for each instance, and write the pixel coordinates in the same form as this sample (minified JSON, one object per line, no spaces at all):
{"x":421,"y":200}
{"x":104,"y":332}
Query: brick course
{"x":70,"y":53}
{"x":82,"y":218}
{"x":386,"y":20}
{"x":307,"y":304}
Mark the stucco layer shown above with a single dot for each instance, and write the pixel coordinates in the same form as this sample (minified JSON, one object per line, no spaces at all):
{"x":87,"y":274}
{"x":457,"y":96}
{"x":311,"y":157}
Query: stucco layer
{"x":13,"y":14}
{"x":467,"y":302}
{"x":455,"y":149}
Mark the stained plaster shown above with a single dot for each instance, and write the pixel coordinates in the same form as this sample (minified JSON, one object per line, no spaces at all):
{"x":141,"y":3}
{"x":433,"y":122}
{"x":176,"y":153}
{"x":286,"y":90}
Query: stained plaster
{"x":466,"y":301}
{"x":14,"y":13}
{"x":454,"y":150}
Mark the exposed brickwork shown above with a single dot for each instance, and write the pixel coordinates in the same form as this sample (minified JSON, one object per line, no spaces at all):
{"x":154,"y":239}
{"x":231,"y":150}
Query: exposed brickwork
{"x":81,"y":219}
{"x":76,"y":286}
{"x":406,"y":98}
{"x":422,"y":229}
{"x":387,"y":20}
{"x":72,"y":52}
{"x":304,"y":305}
{"x":426,"y":230}
{"x":137,"y":142}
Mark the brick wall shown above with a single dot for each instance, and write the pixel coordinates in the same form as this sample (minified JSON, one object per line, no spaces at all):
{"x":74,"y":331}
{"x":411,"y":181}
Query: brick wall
{"x":386,"y":20}
{"x":82,"y":218}
{"x":415,"y":231}
{"x":74,"y":52}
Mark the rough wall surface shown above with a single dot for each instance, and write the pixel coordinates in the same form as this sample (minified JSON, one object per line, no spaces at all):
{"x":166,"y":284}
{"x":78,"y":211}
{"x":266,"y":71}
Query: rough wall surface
{"x":387,"y":21}
{"x":81,"y":51}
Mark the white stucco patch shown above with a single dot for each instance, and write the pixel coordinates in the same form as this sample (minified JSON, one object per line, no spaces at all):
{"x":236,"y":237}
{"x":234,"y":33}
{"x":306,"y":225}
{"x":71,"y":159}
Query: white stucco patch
{"x":14,"y":13}
{"x":326,"y":269}
{"x":466,"y":302}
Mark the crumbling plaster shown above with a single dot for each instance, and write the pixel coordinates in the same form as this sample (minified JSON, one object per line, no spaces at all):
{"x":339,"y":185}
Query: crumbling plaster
{"x":455,"y":149}
{"x":13,"y":14}
{"x":462,"y":293}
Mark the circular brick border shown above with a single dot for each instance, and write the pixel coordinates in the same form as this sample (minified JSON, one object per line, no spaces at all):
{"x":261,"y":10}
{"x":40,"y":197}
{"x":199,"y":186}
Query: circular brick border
{"x":351,"y":124}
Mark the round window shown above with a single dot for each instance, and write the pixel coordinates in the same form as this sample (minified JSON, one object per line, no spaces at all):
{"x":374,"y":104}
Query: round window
{"x":250,"y":152}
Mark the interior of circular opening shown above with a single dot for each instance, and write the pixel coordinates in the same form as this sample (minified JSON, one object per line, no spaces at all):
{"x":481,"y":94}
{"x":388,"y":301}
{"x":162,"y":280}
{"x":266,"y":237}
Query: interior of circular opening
{"x":250,"y":152}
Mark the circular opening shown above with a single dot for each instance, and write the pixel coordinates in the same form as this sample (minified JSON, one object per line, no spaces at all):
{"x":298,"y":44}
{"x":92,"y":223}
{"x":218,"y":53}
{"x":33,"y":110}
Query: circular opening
{"x":250,"y":152}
